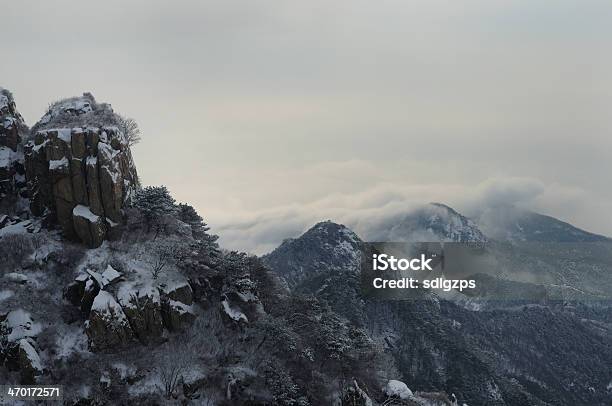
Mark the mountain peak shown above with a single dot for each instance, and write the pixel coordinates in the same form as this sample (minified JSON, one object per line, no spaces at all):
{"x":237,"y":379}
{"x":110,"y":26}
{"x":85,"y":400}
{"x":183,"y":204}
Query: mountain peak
{"x":510,"y":223}
{"x":325,"y":246}
{"x":428,"y":223}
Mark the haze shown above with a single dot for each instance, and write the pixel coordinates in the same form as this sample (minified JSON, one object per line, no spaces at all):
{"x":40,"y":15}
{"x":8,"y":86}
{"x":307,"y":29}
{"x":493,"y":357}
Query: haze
{"x":269,"y":116}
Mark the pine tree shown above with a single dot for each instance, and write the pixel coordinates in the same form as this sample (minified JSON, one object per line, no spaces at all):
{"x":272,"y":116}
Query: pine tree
{"x":187,"y":214}
{"x":154,"y":202}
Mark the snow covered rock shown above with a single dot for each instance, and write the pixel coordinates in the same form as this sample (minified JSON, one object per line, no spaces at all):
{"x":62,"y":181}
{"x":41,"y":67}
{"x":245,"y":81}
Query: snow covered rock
{"x":177,"y":315}
{"x":80,"y":169}
{"x":108,"y":326}
{"x":398,"y":389}
{"x":177,"y":300}
{"x":17,"y":333}
{"x":12,"y":132}
{"x":90,"y":228}
{"x":179,"y":291}
{"x":29,"y":362}
{"x":142,"y":306}
{"x":231,"y":312}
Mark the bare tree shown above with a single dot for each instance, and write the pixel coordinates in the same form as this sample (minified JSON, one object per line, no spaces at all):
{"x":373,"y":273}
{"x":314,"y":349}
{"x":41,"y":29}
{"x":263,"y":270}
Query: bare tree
{"x":172,"y":368}
{"x":130,"y":129}
{"x":163,"y":255}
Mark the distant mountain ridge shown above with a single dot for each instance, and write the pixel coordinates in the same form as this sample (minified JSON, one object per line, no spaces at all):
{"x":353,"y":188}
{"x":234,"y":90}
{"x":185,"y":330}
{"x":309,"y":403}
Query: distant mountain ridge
{"x":428,"y":223}
{"x":513,"y":224}
{"x":513,"y":355}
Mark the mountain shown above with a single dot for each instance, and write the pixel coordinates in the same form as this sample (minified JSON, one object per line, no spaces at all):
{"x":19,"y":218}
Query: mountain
{"x":513,"y":224}
{"x":325,"y":247}
{"x":120,"y":295}
{"x":429,"y":223}
{"x":483,"y":357}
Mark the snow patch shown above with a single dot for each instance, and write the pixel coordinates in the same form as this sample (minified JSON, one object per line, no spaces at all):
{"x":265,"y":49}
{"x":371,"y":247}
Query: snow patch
{"x":58,"y":164}
{"x":397,"y":389}
{"x":6,"y":294}
{"x":20,"y":323}
{"x":83,"y":211}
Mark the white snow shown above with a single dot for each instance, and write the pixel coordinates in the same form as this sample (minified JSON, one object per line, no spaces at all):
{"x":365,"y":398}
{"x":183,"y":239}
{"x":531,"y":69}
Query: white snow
{"x":110,"y":275}
{"x":124,"y":370}
{"x":234,"y":314}
{"x":398,"y":389}
{"x":31,"y":354}
{"x":58,"y":164}
{"x":19,"y":228}
{"x":129,"y":291}
{"x":181,"y":307}
{"x":92,"y":160}
{"x":83,"y":211}
{"x":6,"y":294}
{"x":97,"y":278}
{"x":21,"y":325}
{"x":65,"y":134}
{"x":105,"y":303}
{"x":16,"y":277}
{"x":69,"y":341}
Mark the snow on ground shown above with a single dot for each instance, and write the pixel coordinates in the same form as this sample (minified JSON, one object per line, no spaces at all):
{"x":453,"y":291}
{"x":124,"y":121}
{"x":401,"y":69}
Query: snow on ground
{"x":399,"y":389}
{"x":19,"y":228}
{"x":21,"y":325}
{"x":71,"y":339}
{"x":124,"y":370}
{"x":6,"y":294}
{"x":16,"y":277}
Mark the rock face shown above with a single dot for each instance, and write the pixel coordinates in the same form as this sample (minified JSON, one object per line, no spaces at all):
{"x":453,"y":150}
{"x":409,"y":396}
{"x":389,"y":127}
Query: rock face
{"x":12,"y":132}
{"x":17,"y":345}
{"x":79,"y":169}
{"x":108,"y":326}
{"x":142,"y":306}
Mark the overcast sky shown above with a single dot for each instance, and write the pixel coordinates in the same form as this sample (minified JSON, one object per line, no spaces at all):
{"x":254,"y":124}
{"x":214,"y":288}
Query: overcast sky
{"x":268,"y":116}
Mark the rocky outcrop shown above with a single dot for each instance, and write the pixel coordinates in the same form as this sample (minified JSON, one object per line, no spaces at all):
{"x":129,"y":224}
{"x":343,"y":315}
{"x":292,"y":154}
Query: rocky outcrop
{"x":108,"y":327}
{"x":176,"y":299}
{"x":17,"y":345}
{"x":121,"y":309}
{"x":12,"y":132}
{"x":79,"y":169}
{"x":142,"y":306}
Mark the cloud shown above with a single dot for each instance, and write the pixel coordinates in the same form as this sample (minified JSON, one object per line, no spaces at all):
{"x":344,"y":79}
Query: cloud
{"x":366,"y":210}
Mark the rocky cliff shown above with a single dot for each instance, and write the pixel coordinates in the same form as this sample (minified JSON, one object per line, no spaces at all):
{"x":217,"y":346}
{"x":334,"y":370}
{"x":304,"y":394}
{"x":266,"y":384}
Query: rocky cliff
{"x":77,"y":163}
{"x":12,"y":132}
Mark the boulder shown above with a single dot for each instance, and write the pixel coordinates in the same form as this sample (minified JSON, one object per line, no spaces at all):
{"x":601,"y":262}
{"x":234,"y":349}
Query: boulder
{"x":108,"y":327}
{"x":29,"y":362}
{"x":142,"y":306}
{"x":397,"y":389}
{"x":90,"y":228}
{"x":179,"y":291}
{"x":176,"y":299}
{"x":177,"y":315}
{"x":90,"y":292}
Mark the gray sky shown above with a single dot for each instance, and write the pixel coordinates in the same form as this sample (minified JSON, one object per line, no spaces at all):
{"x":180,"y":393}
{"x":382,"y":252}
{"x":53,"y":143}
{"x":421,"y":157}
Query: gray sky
{"x":268,"y":116}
